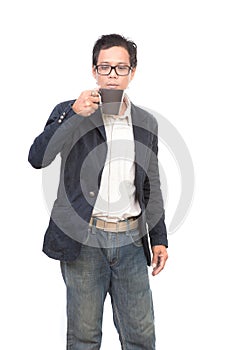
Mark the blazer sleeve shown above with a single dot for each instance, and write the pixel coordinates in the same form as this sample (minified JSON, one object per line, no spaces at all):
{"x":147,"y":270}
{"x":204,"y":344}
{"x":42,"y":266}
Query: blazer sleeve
{"x":50,"y":142}
{"x":155,"y":213}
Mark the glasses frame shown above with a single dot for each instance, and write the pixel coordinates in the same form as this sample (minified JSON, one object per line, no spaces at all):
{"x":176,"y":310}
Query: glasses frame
{"x":113,"y":67}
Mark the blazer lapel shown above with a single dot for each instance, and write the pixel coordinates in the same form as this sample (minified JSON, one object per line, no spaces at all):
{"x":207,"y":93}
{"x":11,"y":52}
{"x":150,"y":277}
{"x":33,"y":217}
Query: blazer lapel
{"x":97,"y":121}
{"x":141,"y":136}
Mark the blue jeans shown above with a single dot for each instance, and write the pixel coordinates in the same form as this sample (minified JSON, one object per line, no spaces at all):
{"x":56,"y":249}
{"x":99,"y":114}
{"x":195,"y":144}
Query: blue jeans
{"x":116,"y":267}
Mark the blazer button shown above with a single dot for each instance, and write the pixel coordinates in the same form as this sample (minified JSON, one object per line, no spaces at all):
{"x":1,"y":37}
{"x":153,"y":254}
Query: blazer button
{"x":92,"y":194}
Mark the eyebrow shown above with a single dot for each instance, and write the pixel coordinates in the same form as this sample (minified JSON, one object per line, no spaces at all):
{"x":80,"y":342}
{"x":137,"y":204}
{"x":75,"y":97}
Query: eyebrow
{"x":106,"y":62}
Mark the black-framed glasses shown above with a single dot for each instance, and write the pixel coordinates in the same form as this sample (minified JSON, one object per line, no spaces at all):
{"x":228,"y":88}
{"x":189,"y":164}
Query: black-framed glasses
{"x":106,"y":69}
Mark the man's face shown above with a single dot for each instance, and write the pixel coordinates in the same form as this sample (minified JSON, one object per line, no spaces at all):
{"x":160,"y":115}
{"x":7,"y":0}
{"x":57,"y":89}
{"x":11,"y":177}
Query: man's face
{"x":113,"y":56}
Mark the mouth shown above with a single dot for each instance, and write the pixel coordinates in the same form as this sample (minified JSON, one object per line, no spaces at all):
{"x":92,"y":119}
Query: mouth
{"x":112,"y":86}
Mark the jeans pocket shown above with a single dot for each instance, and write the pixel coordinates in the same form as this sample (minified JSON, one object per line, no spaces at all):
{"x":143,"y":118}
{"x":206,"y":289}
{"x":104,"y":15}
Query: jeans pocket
{"x":86,"y":236}
{"x":136,"y":238}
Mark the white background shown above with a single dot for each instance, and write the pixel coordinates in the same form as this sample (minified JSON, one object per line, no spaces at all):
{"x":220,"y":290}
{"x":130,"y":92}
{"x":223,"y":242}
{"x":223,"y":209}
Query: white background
{"x":187,"y":72}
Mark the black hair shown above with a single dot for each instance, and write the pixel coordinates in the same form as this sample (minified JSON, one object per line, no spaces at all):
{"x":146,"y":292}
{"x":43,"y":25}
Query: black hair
{"x":110,"y":40}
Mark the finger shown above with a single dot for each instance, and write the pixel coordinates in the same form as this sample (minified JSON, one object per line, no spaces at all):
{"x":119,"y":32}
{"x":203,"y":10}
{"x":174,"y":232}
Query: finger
{"x":87,"y":103}
{"x":95,"y":106}
{"x":94,"y":93}
{"x":90,"y":110}
{"x":92,"y":102}
{"x":155,"y":259}
{"x":159,"y":266}
{"x":86,"y":111}
{"x":94,"y":98}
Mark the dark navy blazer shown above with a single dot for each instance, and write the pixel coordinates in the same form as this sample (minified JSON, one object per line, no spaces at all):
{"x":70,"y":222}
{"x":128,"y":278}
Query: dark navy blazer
{"x":81,"y":143}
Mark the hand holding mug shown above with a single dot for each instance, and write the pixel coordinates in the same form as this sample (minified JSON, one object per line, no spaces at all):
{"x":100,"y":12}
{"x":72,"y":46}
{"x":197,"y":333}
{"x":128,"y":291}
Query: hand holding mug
{"x":87,"y":103}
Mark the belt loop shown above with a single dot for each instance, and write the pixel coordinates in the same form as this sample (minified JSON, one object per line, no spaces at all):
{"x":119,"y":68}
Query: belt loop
{"x":93,"y":231}
{"x":128,"y":226}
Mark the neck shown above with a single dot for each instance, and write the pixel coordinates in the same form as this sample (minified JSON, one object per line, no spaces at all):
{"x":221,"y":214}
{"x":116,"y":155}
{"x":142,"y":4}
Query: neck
{"x":123,"y":108}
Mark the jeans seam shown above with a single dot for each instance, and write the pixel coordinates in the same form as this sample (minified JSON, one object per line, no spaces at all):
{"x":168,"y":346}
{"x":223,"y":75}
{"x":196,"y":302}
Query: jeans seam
{"x":120,"y":327}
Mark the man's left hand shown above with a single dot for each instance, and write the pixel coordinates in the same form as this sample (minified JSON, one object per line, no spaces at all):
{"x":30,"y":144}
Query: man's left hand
{"x":160,"y":256}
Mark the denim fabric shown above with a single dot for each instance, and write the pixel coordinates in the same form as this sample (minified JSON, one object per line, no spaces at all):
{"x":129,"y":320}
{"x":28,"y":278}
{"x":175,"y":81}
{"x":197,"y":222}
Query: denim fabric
{"x":121,"y":271}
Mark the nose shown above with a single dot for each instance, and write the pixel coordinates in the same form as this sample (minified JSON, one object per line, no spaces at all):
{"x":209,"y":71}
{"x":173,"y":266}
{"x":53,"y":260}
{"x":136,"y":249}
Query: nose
{"x":113,"y":73}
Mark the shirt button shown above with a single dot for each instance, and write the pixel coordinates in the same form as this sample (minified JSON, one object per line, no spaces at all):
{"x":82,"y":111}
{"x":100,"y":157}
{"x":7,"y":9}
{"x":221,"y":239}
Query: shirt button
{"x":92,"y":194}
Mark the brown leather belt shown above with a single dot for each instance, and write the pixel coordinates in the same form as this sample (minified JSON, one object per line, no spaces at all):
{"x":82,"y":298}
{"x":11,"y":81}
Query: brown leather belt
{"x":120,"y":226}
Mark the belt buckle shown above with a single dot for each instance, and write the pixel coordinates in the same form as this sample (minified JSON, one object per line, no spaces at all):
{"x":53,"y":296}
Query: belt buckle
{"x":107,"y":227}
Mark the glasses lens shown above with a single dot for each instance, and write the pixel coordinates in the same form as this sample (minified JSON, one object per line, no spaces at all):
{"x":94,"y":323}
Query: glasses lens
{"x":103,"y":69}
{"x":122,"y":70}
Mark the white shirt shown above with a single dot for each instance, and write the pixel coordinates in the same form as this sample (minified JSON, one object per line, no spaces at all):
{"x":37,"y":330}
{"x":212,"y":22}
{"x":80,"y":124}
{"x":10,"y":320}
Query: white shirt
{"x":116,"y":198}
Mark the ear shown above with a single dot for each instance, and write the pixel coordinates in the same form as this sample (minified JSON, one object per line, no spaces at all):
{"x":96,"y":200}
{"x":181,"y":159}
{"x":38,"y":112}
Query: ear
{"x":94,"y":73}
{"x":132,"y":73}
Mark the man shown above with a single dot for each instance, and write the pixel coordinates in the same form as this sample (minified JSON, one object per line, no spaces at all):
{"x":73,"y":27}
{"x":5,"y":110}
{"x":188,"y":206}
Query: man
{"x":108,"y":198}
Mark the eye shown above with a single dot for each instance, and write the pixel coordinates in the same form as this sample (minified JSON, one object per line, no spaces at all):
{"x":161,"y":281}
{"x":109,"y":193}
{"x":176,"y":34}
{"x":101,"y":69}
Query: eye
{"x":104,"y":67}
{"x":123,"y":68}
